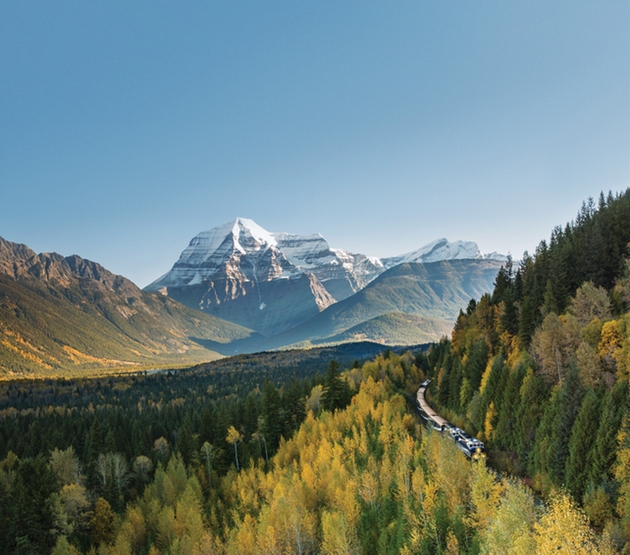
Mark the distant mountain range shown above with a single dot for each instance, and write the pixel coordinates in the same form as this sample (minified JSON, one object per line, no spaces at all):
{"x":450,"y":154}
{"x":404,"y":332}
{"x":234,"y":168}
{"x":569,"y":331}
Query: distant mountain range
{"x":245,"y":290}
{"x":273,"y":282}
{"x":423,"y":298}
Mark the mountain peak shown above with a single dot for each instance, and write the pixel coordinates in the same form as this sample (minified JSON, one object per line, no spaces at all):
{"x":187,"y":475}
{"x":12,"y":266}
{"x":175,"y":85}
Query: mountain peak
{"x":443,"y":249}
{"x":249,"y":228}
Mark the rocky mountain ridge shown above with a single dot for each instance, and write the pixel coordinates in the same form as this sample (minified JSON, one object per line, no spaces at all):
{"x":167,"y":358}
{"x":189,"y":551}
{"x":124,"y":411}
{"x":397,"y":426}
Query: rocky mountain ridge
{"x":59,"y":313}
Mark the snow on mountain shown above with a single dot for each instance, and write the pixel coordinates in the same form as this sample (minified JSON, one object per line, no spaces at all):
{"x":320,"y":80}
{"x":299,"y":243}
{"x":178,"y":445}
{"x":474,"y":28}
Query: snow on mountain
{"x":242,"y":248}
{"x":271,"y":282}
{"x":237,"y":247}
{"x":442,"y":249}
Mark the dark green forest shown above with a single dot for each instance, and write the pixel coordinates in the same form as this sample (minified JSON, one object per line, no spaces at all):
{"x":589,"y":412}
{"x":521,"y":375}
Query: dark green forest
{"x":116,"y":421}
{"x":538,"y":369}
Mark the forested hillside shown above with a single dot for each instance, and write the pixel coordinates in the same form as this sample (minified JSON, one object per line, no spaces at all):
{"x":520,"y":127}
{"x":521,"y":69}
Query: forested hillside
{"x":539,"y":369}
{"x":352,"y":472}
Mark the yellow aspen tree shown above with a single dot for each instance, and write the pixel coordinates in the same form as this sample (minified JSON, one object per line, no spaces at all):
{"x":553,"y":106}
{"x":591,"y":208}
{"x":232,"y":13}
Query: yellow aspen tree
{"x":102,"y":523}
{"x":488,"y":427}
{"x":564,"y":529}
{"x":66,"y":466}
{"x":452,"y":544}
{"x":448,"y":469}
{"x":485,"y":495}
{"x":166,"y":528}
{"x":337,"y":537}
{"x":120,"y":547}
{"x":368,"y":488}
{"x":311,"y":484}
{"x":63,"y":547}
{"x":75,"y":502}
{"x":405,"y":454}
{"x":346,"y":501}
{"x":385,"y":476}
{"x":234,"y":437}
{"x":242,"y":540}
{"x":188,"y":520}
{"x":510,"y":529}
{"x":268,"y":543}
{"x":134,"y":528}
{"x":610,"y":341}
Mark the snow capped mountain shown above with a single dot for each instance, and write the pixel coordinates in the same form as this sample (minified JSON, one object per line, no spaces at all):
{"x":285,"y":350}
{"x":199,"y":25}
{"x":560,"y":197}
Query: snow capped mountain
{"x":442,"y":249}
{"x":237,"y":247}
{"x":242,"y":246}
{"x":241,"y":272}
{"x":243,"y":249}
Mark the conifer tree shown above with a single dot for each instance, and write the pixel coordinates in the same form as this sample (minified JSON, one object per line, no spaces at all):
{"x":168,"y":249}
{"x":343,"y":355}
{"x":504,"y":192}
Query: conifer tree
{"x":505,"y":434}
{"x":602,"y":455}
{"x":477,"y":360}
{"x":185,"y":441}
{"x":94,"y":447}
{"x":336,"y":392}
{"x":31,"y":523}
{"x":272,"y":422}
{"x":538,"y":462}
{"x":582,"y":440}
{"x":568,"y":407}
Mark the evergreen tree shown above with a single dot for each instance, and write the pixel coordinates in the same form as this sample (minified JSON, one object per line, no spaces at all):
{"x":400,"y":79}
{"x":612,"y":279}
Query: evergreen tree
{"x":503,"y":283}
{"x":94,"y":446}
{"x":582,"y":440}
{"x":31,"y":524}
{"x":477,"y":360}
{"x":272,"y":421}
{"x":336,"y":392}
{"x":539,"y":461}
{"x":294,"y":404}
{"x":569,"y":403}
{"x":185,"y":441}
{"x":505,"y":433}
{"x":455,"y":385}
{"x":602,"y":455}
{"x":250,"y":416}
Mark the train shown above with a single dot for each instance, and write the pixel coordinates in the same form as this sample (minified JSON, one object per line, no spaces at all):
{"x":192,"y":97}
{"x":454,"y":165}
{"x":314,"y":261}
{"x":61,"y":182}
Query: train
{"x":470,"y":446}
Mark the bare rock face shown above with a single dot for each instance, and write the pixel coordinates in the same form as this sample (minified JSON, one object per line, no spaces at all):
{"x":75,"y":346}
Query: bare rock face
{"x":20,"y":262}
{"x":271,"y":282}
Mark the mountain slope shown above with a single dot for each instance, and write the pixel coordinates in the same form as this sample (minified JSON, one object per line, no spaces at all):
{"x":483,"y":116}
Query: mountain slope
{"x":396,"y":328}
{"x":436,"y":290}
{"x":61,"y":313}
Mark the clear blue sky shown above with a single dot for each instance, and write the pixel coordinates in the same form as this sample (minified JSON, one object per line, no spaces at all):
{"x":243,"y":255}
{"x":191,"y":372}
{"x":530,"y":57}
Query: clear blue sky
{"x":128,"y":127}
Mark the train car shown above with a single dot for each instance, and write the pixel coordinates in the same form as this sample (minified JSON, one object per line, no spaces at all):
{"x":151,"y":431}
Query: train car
{"x":470,"y":446}
{"x":434,"y":419}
